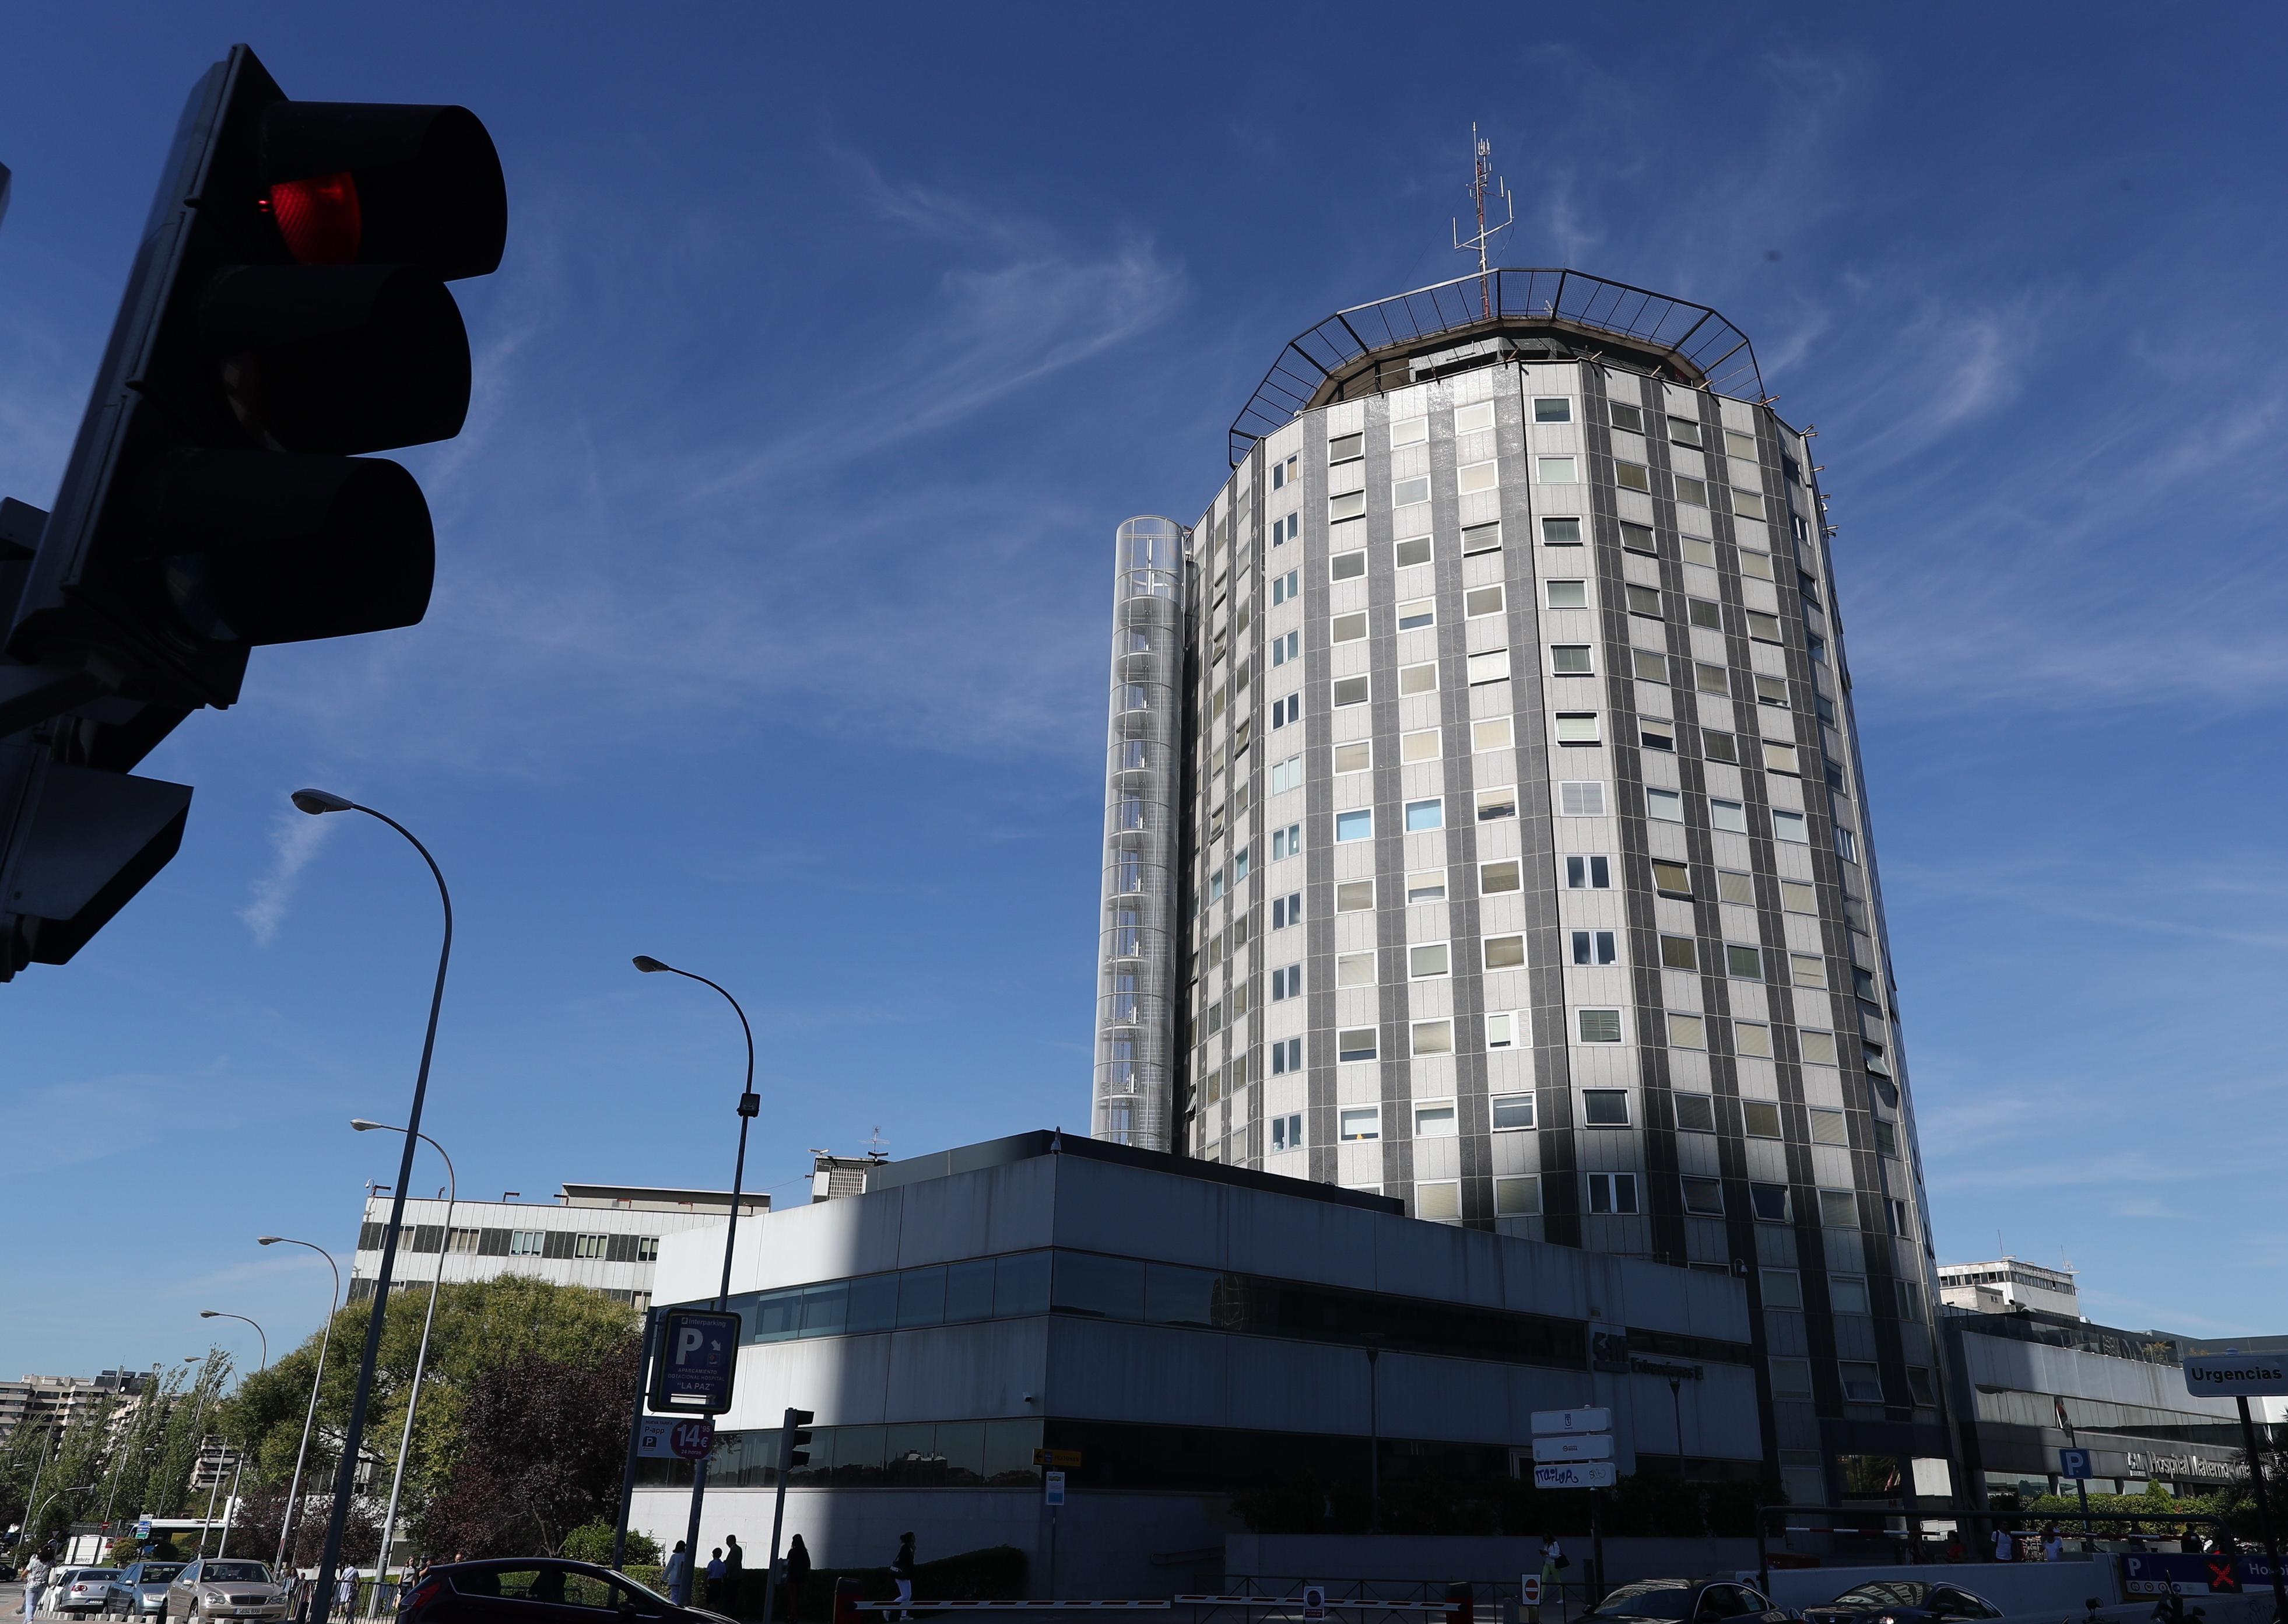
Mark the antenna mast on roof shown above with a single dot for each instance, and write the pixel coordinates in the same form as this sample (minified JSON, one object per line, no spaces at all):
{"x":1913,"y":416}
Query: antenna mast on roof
{"x":1481,"y":179}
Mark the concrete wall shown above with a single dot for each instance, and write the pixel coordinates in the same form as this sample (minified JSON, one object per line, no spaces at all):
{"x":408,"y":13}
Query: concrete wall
{"x":1410,"y":1558}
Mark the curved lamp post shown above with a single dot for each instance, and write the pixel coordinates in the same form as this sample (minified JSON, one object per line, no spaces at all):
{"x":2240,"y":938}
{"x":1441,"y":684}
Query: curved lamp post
{"x":317,"y":803}
{"x":421,"y":1359}
{"x":238,"y":1466}
{"x":294,"y":1491}
{"x":750,"y":1103}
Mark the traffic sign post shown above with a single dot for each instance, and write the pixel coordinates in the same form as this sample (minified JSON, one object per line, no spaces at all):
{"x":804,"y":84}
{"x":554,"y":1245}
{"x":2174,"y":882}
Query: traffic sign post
{"x":1573,"y":1449}
{"x":692,"y":1439}
{"x":2074,"y":1463}
{"x":1314,"y":1603}
{"x":1528,"y":1590}
{"x":2260,"y":1369}
{"x":1053,"y":1495}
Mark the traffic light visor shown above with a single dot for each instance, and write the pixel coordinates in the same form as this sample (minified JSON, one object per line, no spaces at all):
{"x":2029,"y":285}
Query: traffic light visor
{"x":259,"y":547}
{"x":376,"y":183}
{"x":338,"y":358}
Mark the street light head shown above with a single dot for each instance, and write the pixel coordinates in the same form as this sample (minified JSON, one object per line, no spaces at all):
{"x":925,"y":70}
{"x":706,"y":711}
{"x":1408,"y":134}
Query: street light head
{"x":267,"y":1240}
{"x":316,"y":802}
{"x":648,"y":965}
{"x":363,"y":1126}
{"x":209,"y":1314}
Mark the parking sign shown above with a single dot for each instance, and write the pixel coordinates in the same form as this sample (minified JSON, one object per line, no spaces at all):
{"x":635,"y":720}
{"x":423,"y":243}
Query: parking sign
{"x":698,"y":1355}
{"x":2074,"y":1463}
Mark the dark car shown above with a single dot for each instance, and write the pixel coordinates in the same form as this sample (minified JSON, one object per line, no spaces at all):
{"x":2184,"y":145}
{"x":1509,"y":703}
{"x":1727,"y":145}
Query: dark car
{"x":538,"y":1590}
{"x":1685,"y":1601}
{"x":1902,"y":1601}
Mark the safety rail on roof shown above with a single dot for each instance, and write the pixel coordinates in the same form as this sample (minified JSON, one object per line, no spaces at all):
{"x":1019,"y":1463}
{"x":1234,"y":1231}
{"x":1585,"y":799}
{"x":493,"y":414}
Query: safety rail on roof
{"x":1700,"y":344}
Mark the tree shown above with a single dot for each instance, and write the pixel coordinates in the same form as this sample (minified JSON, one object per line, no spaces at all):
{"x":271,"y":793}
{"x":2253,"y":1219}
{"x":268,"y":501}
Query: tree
{"x":543,"y":1444}
{"x":254,"y":1528}
{"x":481,"y":1326}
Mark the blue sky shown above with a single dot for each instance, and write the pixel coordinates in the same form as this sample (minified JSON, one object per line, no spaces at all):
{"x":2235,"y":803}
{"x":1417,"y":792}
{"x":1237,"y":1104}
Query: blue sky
{"x":831,"y":345}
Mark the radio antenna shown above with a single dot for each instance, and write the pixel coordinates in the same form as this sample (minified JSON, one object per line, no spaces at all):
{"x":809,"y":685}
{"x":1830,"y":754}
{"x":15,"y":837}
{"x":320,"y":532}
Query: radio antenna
{"x":1482,"y":180}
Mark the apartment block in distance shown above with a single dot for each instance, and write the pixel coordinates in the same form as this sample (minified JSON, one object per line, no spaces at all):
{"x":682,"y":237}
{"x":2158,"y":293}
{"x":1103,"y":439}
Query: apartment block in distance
{"x":604,"y":1236}
{"x":1485,"y":828}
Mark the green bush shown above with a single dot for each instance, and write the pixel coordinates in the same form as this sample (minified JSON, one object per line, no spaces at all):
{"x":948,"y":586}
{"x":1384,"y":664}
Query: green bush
{"x":592,"y":1542}
{"x":651,"y":1576}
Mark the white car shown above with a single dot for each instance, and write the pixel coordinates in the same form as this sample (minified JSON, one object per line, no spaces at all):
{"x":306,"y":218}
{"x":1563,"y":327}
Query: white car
{"x":80,"y":1593}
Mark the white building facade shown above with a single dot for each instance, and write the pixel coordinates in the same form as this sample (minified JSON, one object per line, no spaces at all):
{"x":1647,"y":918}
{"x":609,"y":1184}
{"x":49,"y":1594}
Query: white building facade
{"x":602,"y":1236}
{"x":1524,"y":868}
{"x":1177,"y":1332}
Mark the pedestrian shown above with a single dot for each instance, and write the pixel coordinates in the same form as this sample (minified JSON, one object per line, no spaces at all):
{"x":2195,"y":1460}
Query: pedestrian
{"x":798,"y":1571}
{"x":1552,"y":1561}
{"x":715,"y":1579}
{"x":2053,"y":1544}
{"x":345,"y":1591}
{"x":679,"y":1575}
{"x":2005,"y":1549}
{"x":902,"y":1569}
{"x":36,"y":1578}
{"x":1954,"y":1551}
{"x":734,"y":1574}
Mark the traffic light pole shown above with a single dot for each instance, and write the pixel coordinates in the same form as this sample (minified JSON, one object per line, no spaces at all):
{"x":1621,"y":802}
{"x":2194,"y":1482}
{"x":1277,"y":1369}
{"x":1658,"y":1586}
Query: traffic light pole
{"x":2264,"y":1511}
{"x":790,"y":1430}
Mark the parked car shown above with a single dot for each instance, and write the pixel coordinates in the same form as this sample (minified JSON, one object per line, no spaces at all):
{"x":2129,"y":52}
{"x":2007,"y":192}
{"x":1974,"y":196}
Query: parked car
{"x":140,"y":1591}
{"x":1902,"y":1601}
{"x":217,"y":1587}
{"x":537,"y":1591}
{"x":1691,"y":1601}
{"x":81,"y":1593}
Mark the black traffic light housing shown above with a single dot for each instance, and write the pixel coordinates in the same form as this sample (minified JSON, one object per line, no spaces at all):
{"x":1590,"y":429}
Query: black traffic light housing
{"x":792,"y":1453}
{"x":286,"y":314}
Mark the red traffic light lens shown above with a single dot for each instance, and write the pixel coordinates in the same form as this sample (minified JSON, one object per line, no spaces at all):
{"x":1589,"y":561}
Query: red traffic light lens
{"x":320,"y":217}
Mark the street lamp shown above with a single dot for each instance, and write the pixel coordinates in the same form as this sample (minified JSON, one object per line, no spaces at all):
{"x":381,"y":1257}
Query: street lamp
{"x":230,"y":1506}
{"x":421,"y":1359}
{"x":294,"y":1491}
{"x":317,"y":803}
{"x":749,"y":1104}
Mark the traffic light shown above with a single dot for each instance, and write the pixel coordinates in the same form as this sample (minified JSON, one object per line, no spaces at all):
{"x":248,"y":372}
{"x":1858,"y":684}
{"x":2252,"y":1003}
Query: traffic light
{"x":792,"y":1453}
{"x":287,"y":313}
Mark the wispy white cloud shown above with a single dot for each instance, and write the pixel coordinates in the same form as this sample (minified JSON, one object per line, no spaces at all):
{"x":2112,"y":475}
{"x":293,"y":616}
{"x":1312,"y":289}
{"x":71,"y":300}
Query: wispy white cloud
{"x":294,"y":840}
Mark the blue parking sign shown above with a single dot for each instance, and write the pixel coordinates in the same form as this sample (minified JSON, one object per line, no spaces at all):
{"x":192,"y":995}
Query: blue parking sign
{"x":2074,"y":1463}
{"x":698,"y":1355}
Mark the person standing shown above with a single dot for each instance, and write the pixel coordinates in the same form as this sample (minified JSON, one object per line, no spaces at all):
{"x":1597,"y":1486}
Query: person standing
{"x":2005,"y":1549}
{"x":2053,"y":1544}
{"x":902,"y":1569}
{"x":734,"y":1572}
{"x":345,"y":1591}
{"x":715,"y":1579}
{"x":798,"y":1571}
{"x":679,"y":1575}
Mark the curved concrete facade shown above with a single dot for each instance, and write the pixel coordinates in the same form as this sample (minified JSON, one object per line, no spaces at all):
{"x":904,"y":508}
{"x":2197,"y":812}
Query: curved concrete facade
{"x":1530,"y":874}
